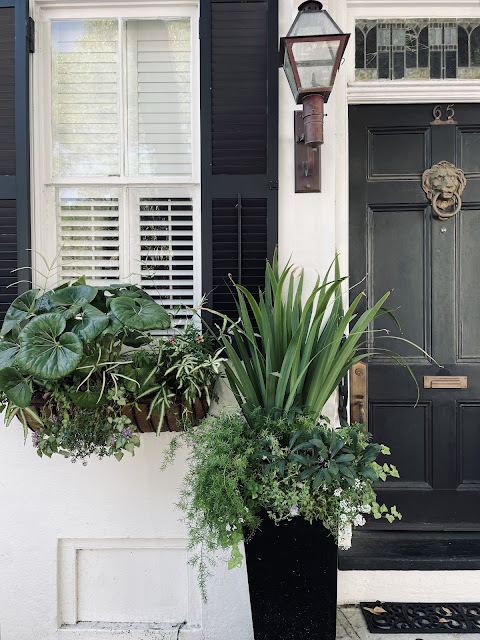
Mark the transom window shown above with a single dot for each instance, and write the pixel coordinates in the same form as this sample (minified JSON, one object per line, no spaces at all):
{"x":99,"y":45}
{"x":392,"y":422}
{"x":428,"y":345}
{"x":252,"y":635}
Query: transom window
{"x":120,"y":201}
{"x":417,"y":49}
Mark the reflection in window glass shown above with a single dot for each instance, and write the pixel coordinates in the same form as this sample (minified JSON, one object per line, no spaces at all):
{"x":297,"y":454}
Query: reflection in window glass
{"x":159,"y":97}
{"x":417,"y":49}
{"x":85,"y":122}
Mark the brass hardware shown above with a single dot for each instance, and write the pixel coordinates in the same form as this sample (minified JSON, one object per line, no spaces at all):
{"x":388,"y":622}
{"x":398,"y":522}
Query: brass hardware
{"x":444,"y":382}
{"x":359,"y":394}
{"x":437,"y":114}
{"x":444,"y":184}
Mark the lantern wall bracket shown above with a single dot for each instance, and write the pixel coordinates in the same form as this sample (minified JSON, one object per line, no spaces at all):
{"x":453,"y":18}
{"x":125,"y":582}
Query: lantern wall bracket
{"x":307,"y":160}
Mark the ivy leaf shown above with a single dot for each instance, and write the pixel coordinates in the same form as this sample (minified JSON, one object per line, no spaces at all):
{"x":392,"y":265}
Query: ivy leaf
{"x":140,"y":314}
{"x":15,"y":387}
{"x":45,"y":353}
{"x":19,"y":310}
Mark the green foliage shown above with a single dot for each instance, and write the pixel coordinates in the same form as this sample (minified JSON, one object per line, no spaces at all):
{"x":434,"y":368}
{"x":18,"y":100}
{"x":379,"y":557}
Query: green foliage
{"x":289,"y":468}
{"x":71,"y":345}
{"x":77,"y":433}
{"x":296,"y":355}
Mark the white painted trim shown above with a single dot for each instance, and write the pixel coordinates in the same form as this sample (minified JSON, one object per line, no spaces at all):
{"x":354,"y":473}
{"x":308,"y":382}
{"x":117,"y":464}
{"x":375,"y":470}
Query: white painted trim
{"x":395,"y":92}
{"x":440,"y":7}
{"x":141,"y":5}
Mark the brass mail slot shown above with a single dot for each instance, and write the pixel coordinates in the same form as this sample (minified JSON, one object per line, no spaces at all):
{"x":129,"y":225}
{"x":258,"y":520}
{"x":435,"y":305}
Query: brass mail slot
{"x":444,"y":382}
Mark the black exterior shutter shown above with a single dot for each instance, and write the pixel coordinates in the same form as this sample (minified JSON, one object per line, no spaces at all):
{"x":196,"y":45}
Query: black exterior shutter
{"x":14,"y":150}
{"x":239,"y":114}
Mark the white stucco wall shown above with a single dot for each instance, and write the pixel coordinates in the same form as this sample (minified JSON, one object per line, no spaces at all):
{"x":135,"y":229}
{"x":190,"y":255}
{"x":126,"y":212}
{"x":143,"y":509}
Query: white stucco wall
{"x":104,"y":540}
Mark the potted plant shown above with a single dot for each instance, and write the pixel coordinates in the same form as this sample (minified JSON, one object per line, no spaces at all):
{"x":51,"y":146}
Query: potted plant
{"x":278,"y":469}
{"x":80,"y":366}
{"x":291,"y":488}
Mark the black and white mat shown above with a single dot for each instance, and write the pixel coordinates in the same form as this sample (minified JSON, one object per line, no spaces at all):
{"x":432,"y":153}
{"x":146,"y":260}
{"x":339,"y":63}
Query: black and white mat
{"x":399,"y":617}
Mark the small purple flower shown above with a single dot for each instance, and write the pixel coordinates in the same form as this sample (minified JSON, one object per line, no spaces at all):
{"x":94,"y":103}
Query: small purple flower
{"x":113,"y":440}
{"x":53,"y":418}
{"x":127,"y":432}
{"x":294,"y":510}
{"x":35,"y":439}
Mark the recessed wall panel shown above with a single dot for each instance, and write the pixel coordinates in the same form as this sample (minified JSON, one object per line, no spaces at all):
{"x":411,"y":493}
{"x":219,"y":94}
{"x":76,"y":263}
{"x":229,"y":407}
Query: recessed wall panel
{"x":132,"y":585}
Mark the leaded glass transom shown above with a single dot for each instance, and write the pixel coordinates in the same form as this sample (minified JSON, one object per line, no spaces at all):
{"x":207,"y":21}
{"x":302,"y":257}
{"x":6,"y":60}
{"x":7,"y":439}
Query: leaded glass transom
{"x":417,"y":49}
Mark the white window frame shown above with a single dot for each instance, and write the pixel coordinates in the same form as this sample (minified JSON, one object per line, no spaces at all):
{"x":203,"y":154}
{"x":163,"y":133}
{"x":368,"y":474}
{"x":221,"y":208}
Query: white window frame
{"x":45,"y":249}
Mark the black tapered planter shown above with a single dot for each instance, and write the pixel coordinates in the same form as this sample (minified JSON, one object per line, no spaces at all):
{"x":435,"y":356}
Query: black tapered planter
{"x":292,"y":576}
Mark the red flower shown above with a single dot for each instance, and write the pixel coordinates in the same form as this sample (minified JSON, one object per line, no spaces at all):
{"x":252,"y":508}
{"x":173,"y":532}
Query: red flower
{"x":200,"y":338}
{"x":173,"y":340}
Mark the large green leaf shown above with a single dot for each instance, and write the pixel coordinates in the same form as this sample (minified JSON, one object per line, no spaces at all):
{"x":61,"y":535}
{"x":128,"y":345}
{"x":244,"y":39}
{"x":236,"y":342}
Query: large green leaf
{"x":8,"y":350}
{"x":140,"y":314}
{"x":136,"y":339}
{"x":44,"y":303}
{"x":73,"y":295}
{"x":19,"y":310}
{"x":45,"y":351}
{"x":91,"y":324}
{"x":88,"y":399}
{"x":15,"y":387}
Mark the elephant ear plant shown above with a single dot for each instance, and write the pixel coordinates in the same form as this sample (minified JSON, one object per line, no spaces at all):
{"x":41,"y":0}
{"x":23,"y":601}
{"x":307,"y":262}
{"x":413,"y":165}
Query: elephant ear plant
{"x":85,"y":354}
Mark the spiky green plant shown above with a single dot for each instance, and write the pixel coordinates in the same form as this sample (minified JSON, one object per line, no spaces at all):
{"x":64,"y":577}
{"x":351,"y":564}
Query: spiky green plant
{"x":296,"y":355}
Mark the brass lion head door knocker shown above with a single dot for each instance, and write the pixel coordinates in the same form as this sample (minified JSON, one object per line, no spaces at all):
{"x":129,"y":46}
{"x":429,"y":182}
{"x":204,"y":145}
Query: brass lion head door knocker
{"x":444,"y":185}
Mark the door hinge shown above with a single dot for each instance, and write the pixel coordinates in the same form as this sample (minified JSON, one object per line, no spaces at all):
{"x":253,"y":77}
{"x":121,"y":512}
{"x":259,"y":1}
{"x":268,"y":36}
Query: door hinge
{"x":31,"y":35}
{"x":273,"y":184}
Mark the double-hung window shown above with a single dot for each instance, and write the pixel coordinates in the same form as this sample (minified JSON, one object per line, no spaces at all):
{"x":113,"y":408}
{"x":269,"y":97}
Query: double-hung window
{"x":116,"y":147}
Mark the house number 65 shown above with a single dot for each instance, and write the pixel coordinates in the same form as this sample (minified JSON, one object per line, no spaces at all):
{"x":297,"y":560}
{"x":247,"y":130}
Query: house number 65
{"x":437,"y":114}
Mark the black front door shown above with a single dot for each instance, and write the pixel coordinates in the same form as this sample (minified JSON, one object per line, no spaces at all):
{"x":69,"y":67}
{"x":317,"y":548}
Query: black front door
{"x":433,"y":267}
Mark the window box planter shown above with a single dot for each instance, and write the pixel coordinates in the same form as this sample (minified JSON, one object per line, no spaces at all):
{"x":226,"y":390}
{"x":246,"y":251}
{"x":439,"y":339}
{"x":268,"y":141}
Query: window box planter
{"x":138,"y":414}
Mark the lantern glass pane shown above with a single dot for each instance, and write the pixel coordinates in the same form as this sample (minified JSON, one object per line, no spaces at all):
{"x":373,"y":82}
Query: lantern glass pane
{"x":313,"y":23}
{"x":315,"y":62}
{"x":287,"y":67}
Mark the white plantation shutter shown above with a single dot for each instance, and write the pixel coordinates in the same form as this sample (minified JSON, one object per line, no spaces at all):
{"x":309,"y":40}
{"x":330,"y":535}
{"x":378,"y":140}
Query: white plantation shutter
{"x":164,"y":250}
{"x":85,"y":122}
{"x":159,"y":97}
{"x":89,"y":236}
{"x":121,"y":100}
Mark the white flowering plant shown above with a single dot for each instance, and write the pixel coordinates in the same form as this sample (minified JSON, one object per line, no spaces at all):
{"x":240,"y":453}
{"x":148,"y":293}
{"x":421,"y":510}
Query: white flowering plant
{"x":280,"y":468}
{"x":321,"y":473}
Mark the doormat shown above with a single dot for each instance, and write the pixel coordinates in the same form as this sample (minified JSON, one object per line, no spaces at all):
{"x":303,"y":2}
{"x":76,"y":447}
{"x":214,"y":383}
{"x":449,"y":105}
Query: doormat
{"x":398,"y":617}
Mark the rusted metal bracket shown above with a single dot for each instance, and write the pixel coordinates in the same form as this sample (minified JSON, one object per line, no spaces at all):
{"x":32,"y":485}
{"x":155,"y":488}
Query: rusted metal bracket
{"x":307,"y":160}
